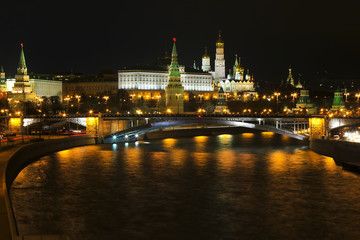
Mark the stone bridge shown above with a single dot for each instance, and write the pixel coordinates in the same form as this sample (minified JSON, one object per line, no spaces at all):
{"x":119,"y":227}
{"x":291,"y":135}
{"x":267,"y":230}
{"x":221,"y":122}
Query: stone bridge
{"x":126,"y":127}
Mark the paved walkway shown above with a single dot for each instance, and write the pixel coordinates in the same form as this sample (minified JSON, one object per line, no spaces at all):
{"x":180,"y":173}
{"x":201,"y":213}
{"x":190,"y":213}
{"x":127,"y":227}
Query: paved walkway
{"x":6,"y":151}
{"x":5,"y":232}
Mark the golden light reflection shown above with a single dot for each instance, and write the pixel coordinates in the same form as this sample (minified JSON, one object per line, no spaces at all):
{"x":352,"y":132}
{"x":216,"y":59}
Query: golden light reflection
{"x":247,"y":135}
{"x":132,"y":157}
{"x":178,"y":157}
{"x":200,"y":142}
{"x":226,"y":159}
{"x":225,"y":138}
{"x":278,"y":162}
{"x":169,"y":142}
{"x":267,"y":133}
{"x":65,"y":154}
{"x":201,"y":158}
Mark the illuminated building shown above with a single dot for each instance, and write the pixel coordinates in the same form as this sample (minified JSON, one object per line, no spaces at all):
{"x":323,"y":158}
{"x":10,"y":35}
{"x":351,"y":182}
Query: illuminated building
{"x":3,"y":87}
{"x":157,"y":78}
{"x":221,"y":106}
{"x":219,"y":60}
{"x":304,"y":103}
{"x":238,"y":82}
{"x":338,"y":101}
{"x":174,"y":90}
{"x":291,"y":82}
{"x":205,"y":66}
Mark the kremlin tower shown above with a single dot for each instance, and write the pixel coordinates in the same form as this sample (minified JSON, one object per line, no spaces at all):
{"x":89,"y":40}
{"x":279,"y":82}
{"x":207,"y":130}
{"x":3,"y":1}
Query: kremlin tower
{"x":22,"y":90}
{"x":174,"y":90}
{"x":219,"y":60}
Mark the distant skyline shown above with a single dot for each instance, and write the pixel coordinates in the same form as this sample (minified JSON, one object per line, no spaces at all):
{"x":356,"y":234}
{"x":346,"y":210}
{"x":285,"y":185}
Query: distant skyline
{"x":269,"y":36}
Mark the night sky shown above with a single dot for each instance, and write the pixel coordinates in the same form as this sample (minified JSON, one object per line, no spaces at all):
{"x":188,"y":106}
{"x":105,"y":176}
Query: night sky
{"x":60,"y":36}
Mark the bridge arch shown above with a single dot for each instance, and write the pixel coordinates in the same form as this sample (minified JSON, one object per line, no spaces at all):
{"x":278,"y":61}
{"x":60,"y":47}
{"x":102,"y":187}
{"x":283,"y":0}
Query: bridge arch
{"x":136,"y":132}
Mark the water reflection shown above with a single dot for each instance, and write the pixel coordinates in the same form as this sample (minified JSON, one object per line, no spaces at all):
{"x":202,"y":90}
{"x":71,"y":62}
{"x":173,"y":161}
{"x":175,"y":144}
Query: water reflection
{"x":246,"y":186}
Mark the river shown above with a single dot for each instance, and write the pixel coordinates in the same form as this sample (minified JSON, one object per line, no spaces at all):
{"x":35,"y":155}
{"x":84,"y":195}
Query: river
{"x":245,"y":186}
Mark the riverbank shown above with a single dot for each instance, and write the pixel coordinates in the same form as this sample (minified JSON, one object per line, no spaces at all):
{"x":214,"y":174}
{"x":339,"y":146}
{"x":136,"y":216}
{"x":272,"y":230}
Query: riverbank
{"x":12,"y":161}
{"x":344,"y":153}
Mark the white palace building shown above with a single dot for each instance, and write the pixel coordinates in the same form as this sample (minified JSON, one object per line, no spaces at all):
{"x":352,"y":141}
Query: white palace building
{"x":157,"y":80}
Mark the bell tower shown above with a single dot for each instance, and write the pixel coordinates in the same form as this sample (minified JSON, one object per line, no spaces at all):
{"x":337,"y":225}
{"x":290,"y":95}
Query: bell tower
{"x":219,"y":59}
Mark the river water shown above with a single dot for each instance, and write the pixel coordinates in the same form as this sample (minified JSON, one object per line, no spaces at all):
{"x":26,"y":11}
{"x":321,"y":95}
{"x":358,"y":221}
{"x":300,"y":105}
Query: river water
{"x":246,"y":186}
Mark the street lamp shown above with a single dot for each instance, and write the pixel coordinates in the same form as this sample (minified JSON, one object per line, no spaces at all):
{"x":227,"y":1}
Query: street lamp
{"x":346,"y":96}
{"x":294,"y":95}
{"x":277,"y":94}
{"x":357,"y":95}
{"x":106,"y":98}
{"x":68,"y":101}
{"x":78,"y":97}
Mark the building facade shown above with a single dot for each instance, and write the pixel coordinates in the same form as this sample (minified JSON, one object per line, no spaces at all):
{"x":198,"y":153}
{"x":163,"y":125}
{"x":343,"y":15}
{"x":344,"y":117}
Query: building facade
{"x":3,"y":87}
{"x":138,"y":79}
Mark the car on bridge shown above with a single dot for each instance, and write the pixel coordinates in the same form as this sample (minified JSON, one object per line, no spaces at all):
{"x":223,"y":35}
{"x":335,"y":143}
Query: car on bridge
{"x":7,"y":132}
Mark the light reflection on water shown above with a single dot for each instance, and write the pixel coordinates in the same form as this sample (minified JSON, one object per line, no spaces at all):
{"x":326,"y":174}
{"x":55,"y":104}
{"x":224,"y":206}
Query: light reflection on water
{"x":246,"y":186}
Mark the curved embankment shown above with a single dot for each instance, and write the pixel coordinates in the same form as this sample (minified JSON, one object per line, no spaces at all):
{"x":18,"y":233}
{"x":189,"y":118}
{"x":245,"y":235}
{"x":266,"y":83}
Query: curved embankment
{"x":344,"y":153}
{"x":23,"y":157}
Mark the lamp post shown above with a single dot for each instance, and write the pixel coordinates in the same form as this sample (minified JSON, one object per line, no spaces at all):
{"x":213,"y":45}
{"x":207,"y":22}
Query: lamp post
{"x":357,"y":95}
{"x":68,"y":101}
{"x":277,"y":94}
{"x":78,"y":97}
{"x":346,"y":96}
{"x":106,"y":98}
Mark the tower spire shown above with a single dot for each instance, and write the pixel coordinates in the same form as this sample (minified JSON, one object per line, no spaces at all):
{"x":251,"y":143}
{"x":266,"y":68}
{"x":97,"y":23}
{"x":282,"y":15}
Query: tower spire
{"x":219,"y":40}
{"x":22,"y":64}
{"x":174,"y":66}
{"x":174,"y":90}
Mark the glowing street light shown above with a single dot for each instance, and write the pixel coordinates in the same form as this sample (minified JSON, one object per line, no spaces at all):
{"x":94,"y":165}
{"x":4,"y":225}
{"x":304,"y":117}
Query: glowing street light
{"x":346,"y":96}
{"x":78,"y":97}
{"x":277,"y":94}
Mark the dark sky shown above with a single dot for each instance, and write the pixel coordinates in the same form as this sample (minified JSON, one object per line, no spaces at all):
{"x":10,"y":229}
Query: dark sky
{"x":61,"y":36}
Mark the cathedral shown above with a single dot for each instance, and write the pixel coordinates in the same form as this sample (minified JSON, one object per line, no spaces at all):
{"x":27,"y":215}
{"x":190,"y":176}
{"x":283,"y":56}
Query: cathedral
{"x":236,"y":81}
